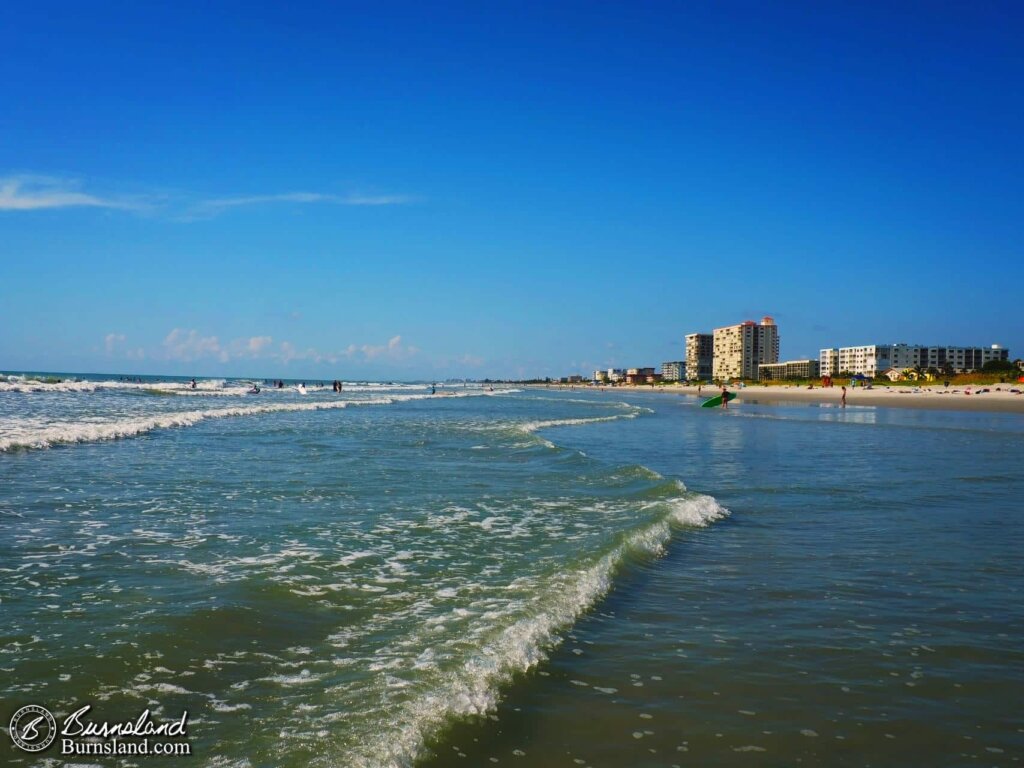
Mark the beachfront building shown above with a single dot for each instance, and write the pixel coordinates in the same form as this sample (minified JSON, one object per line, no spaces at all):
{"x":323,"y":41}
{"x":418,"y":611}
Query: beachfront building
{"x":642,"y":376}
{"x":700,"y":352}
{"x":615,"y":375}
{"x":892,"y":374}
{"x":828,"y":362}
{"x":873,"y":359}
{"x":740,"y":349}
{"x":867,"y":360}
{"x":673,"y":371}
{"x":600,"y":377}
{"x":961,"y":359}
{"x":791,"y":369}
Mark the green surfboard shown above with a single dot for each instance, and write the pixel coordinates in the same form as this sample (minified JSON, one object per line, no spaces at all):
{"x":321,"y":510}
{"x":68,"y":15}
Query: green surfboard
{"x":717,"y":400}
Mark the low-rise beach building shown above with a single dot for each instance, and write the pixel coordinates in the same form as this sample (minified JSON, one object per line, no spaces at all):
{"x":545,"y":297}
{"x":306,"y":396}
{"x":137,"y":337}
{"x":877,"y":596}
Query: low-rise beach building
{"x":873,"y":359}
{"x":673,"y":371}
{"x":640,"y":375}
{"x":867,"y":360}
{"x":961,"y":359}
{"x":789,"y":370}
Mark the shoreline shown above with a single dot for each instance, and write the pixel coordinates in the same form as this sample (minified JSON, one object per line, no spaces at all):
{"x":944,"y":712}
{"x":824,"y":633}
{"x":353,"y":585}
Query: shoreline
{"x":931,"y":397}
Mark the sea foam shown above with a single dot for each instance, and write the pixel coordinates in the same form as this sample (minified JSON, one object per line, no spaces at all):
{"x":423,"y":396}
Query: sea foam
{"x":474,"y":689}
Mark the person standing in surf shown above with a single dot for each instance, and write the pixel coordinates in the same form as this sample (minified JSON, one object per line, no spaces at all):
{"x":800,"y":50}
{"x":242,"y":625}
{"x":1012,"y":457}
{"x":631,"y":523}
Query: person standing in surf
{"x":725,"y":397}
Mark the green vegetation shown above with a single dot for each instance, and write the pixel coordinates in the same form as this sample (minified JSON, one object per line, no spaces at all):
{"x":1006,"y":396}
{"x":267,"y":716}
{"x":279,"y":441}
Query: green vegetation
{"x":1000,"y":376}
{"x":999,"y":366}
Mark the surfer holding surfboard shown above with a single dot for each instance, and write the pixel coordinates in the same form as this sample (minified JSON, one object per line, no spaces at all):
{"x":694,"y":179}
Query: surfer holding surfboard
{"x":719,"y":400}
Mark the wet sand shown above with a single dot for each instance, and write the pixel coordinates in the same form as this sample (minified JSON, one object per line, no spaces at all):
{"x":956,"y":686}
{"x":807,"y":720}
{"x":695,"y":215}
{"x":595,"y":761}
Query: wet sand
{"x":999,"y":397}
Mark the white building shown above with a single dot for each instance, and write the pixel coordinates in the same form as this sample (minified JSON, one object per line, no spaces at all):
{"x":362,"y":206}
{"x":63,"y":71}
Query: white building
{"x":872,"y":359}
{"x":673,"y":371}
{"x":616,"y":375}
{"x":828,"y":362}
{"x":740,"y":349}
{"x":961,"y":359}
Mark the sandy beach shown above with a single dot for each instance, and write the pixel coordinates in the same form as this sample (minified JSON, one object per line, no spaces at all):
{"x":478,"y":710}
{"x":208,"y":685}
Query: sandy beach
{"x":997,"y":398}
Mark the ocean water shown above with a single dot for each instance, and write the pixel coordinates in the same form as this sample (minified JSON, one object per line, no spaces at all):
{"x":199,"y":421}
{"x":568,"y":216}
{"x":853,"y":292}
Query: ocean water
{"x":539,"y":578}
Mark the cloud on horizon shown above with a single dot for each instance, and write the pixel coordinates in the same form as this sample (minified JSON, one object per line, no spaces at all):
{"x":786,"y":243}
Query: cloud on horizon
{"x":112,"y":340}
{"x":189,"y":346}
{"x":393,"y":350}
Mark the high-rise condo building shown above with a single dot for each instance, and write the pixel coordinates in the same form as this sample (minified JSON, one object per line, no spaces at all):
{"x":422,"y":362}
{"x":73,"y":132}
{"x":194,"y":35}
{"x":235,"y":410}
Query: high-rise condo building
{"x":739,"y":349}
{"x":700,"y":350}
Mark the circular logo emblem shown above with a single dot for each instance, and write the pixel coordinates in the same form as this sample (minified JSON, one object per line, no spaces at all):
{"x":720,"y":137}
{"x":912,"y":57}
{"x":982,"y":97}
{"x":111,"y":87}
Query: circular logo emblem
{"x":33,"y":728}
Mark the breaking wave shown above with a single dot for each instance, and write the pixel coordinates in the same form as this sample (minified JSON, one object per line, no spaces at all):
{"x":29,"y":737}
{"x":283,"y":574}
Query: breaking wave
{"x":474,"y":688}
{"x":62,"y":433}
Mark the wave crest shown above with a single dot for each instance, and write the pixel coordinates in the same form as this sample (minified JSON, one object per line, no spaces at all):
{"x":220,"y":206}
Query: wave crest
{"x":475,"y":688}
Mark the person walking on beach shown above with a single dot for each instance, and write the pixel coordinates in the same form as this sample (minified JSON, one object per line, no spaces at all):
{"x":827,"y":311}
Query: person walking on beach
{"x":843,"y":398}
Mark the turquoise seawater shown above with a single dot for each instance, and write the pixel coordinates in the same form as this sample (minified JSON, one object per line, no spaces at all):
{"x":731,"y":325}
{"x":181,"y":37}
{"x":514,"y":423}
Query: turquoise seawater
{"x":383,"y":577}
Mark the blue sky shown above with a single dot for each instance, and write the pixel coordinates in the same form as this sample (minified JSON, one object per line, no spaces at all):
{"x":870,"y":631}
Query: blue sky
{"x":405,"y":191}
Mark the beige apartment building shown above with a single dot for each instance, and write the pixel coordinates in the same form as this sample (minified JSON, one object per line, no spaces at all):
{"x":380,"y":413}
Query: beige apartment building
{"x":740,"y":349}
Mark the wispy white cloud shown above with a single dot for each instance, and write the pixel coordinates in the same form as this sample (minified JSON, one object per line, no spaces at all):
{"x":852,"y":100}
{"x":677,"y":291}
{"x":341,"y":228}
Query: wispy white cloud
{"x":34,"y":193}
{"x":216,"y":206}
{"x":288,"y":352}
{"x":393,"y":350}
{"x":257,"y":344}
{"x":186,"y":346}
{"x":376,"y":200}
{"x":112,"y":340}
{"x":114,"y":344}
{"x":190,"y":345}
